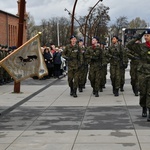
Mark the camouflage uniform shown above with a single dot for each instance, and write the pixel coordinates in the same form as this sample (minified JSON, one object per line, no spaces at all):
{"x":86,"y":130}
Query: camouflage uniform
{"x":83,"y":69}
{"x":73,"y":56}
{"x":143,"y":73}
{"x":103,"y":69}
{"x":123,"y":66}
{"x":117,"y":60}
{"x":134,"y":63}
{"x":93,"y":56}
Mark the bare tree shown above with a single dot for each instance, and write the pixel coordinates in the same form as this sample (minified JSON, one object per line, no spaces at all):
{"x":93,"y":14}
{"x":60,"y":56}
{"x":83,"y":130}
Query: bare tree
{"x":31,"y":29}
{"x":120,"y":23}
{"x":137,"y":23}
{"x":96,"y":23}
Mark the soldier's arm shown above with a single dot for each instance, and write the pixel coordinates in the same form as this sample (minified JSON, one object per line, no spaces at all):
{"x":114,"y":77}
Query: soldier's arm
{"x":65,"y":53}
{"x":132,"y":45}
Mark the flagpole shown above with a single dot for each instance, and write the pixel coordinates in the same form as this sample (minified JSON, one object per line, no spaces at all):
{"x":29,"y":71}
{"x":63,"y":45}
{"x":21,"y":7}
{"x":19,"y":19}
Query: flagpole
{"x":20,"y":36}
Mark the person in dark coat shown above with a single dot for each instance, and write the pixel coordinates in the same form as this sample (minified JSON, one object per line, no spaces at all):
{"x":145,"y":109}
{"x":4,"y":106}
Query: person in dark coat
{"x":57,"y":63}
{"x":49,"y":61}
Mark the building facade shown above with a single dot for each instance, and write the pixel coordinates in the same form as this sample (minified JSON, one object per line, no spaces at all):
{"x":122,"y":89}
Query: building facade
{"x":9,"y":24}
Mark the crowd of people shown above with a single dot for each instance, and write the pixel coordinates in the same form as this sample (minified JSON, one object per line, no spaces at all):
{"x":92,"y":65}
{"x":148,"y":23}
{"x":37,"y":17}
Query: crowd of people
{"x":4,"y":76}
{"x":55,"y":63}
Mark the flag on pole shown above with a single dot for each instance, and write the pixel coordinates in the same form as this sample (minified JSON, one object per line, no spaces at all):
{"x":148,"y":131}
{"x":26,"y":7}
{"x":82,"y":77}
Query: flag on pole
{"x":26,"y":61}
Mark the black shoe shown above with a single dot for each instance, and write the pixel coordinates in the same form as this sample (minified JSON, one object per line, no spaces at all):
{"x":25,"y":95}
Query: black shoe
{"x":75,"y":93}
{"x":121,"y":89}
{"x":104,"y":86}
{"x":136,"y":94}
{"x":96,"y":94}
{"x":93,"y":92}
{"x":144,"y":112}
{"x":148,"y":118}
{"x":101,"y":89}
{"x":80,"y":88}
{"x":116,"y":92}
{"x":83,"y":86}
{"x":113,"y":90}
{"x":71,"y":91}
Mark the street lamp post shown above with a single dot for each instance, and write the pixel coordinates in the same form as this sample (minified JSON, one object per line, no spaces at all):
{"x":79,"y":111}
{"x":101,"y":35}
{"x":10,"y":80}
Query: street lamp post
{"x":123,"y":31}
{"x":72,"y":19}
{"x":58,"y":33}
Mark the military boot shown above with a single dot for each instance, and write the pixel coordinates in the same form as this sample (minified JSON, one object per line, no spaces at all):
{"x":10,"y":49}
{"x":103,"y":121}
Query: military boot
{"x":136,"y":91}
{"x":75,"y":92}
{"x":93,"y":91}
{"x":96,"y":94}
{"x":113,"y":90}
{"x":148,"y":118}
{"x":80,"y":88}
{"x":116,"y":92}
{"x":101,"y":89}
{"x":121,"y":88}
{"x":144,"y":112}
{"x":71,"y":91}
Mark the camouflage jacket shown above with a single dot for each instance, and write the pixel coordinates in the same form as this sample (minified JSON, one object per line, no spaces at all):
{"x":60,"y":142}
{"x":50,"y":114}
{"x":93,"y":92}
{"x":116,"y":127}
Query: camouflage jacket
{"x":117,"y":55}
{"x":73,"y":55}
{"x":144,"y":54}
{"x":94,"y":56}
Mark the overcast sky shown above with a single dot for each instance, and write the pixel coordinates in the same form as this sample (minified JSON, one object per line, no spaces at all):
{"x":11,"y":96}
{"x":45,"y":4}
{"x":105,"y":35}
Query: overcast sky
{"x":45,"y":9}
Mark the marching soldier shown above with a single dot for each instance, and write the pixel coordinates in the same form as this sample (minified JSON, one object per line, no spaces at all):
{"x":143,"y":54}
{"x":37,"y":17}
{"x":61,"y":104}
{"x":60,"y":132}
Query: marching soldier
{"x":134,"y":64}
{"x":143,"y":50}
{"x":123,"y":66}
{"x":72,"y":54}
{"x":84,"y":67}
{"x":116,"y":56}
{"x":104,"y":67}
{"x":93,"y":56}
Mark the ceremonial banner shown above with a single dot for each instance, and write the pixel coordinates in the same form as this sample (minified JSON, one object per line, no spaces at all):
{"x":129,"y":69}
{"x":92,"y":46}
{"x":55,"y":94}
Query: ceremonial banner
{"x":26,"y":61}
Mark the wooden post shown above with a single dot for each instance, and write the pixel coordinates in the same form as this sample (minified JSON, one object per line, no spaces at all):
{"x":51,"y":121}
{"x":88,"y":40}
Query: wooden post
{"x":20,"y":36}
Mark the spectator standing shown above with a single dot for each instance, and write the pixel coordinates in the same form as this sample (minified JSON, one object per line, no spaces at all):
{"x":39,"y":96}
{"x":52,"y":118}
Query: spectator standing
{"x":57,"y":62}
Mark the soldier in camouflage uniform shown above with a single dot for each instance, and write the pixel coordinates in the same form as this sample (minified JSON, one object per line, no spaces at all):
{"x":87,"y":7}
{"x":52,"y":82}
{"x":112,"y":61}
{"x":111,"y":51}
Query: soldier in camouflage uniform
{"x":93,"y":56}
{"x":84,"y":67}
{"x":104,"y":67}
{"x":143,"y":50}
{"x":117,"y":60}
{"x":123,"y":66}
{"x":134,"y":64}
{"x":72,"y":54}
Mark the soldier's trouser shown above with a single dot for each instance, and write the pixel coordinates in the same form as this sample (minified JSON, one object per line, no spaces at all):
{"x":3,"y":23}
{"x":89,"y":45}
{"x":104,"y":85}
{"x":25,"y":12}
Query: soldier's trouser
{"x":94,"y":74}
{"x":134,"y":75}
{"x":122,"y":76}
{"x":115,"y":76}
{"x":103,"y":75}
{"x":85,"y":74}
{"x":144,"y":84}
{"x":81,"y":75}
{"x":73,"y":78}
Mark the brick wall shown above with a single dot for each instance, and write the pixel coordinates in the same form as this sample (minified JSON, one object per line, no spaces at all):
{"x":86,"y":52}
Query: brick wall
{"x":9,"y":29}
